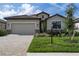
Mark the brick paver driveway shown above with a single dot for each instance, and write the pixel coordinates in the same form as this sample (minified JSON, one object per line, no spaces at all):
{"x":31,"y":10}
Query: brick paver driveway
{"x":15,"y":45}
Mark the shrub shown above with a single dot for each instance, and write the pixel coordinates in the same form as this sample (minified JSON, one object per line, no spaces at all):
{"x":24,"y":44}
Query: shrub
{"x":62,"y":34}
{"x":77,"y":34}
{"x":3,"y":32}
{"x":41,"y":34}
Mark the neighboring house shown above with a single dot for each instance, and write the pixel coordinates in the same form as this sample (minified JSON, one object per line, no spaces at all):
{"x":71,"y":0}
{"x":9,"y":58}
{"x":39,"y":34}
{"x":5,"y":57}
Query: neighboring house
{"x":77,"y":23}
{"x":2,"y":24}
{"x":41,"y":22}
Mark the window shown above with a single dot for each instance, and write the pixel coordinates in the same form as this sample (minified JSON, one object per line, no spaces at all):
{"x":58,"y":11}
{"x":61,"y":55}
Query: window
{"x":56,"y":24}
{"x":42,"y":16}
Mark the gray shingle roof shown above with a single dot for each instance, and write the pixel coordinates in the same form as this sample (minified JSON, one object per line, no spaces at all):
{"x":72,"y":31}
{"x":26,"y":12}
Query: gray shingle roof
{"x":20,"y":16}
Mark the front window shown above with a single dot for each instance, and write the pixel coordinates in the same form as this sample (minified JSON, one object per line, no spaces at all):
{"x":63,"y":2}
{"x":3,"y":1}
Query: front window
{"x":56,"y":24}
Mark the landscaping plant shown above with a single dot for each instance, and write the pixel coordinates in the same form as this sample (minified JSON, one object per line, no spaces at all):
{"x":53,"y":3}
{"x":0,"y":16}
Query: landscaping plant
{"x":3,"y":32}
{"x":70,"y":21}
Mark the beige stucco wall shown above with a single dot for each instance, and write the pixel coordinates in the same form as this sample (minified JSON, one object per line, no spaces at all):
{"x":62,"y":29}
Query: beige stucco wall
{"x":35,"y":21}
{"x":55,"y":18}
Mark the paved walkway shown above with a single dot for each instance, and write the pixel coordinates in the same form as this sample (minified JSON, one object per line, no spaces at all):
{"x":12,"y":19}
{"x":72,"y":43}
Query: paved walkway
{"x":52,"y":54}
{"x":14,"y":45}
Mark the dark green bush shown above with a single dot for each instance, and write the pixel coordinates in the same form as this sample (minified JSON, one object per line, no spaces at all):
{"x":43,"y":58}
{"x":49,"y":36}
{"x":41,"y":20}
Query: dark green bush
{"x":3,"y":32}
{"x":77,"y":34}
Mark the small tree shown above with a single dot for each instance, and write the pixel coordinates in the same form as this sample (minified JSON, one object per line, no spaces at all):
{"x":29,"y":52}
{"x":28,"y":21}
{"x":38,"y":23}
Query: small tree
{"x":70,"y":19}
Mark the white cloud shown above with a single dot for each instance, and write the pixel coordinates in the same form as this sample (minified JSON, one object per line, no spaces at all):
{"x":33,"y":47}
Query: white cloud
{"x":7,"y":10}
{"x":7,"y":7}
{"x":37,"y":11}
{"x":26,"y":6}
{"x":28,"y":9}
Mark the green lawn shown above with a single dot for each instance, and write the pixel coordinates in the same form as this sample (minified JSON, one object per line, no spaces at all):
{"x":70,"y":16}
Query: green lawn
{"x":42,"y":44}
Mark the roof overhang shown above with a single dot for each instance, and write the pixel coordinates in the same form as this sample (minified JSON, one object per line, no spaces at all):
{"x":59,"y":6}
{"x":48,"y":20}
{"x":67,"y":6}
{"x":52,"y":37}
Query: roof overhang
{"x":57,"y":15}
{"x":22,"y":17}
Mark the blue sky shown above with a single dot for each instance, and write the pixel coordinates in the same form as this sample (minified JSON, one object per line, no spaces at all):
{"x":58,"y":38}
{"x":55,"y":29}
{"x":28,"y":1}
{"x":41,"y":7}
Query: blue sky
{"x":13,"y":9}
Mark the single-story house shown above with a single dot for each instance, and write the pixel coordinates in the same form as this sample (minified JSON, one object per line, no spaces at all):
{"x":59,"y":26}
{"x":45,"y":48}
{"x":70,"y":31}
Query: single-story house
{"x":2,"y":24}
{"x":41,"y":22}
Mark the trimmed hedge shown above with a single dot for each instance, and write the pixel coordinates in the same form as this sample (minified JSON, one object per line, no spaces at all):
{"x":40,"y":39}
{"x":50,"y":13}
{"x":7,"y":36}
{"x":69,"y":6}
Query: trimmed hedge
{"x":3,"y":32}
{"x":41,"y":34}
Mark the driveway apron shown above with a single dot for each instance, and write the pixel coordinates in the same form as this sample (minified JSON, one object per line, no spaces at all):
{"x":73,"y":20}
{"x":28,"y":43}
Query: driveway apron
{"x":15,"y":45}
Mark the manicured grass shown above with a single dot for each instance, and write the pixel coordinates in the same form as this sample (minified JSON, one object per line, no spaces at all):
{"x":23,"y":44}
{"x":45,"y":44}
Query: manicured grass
{"x":42,"y":44}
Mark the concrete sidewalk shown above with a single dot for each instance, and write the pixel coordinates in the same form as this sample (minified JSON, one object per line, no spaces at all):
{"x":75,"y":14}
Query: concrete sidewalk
{"x":52,"y":54}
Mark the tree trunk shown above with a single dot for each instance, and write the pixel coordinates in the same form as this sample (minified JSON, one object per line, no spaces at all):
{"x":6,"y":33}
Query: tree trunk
{"x":69,"y":35}
{"x":73,"y":35}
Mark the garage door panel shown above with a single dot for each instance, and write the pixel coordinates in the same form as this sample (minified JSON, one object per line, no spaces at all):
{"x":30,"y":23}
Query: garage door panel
{"x":23,"y":28}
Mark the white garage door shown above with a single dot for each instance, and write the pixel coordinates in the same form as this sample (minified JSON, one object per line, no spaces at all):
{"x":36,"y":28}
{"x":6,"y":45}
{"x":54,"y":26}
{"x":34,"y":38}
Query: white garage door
{"x":23,"y":28}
